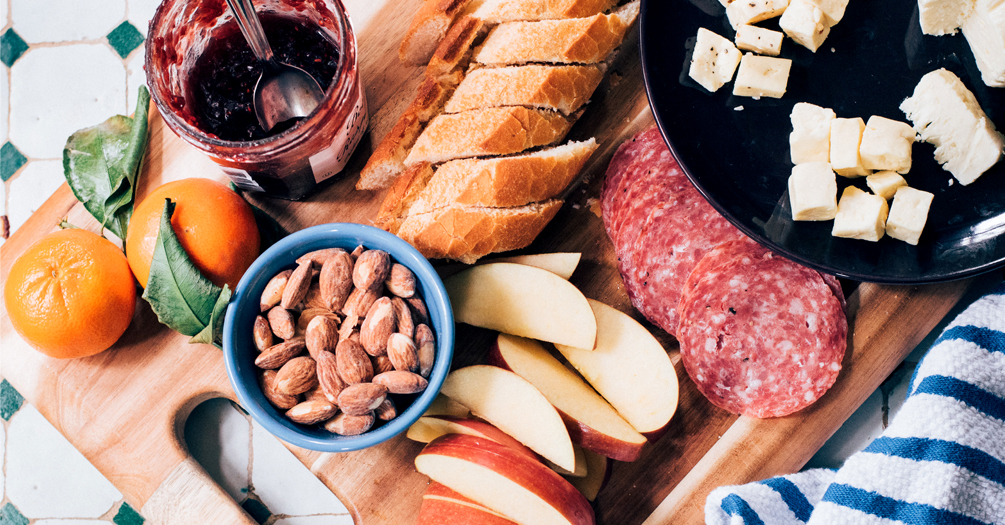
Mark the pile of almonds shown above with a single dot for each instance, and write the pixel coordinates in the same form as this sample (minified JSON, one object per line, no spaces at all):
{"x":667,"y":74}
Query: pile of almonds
{"x":366,"y":333}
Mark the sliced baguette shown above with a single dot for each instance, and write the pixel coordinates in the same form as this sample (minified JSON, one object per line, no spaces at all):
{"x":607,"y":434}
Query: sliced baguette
{"x":496,"y":11}
{"x":575,"y":40}
{"x":403,"y":193}
{"x":503,"y":181}
{"x":482,"y":132}
{"x":466,"y":233}
{"x":387,"y":160}
{"x":428,"y":27}
{"x":562,"y":88}
{"x":455,"y":49}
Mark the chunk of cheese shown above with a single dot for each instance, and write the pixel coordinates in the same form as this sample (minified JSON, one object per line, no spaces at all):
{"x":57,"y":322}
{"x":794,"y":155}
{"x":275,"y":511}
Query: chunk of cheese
{"x":740,"y":12}
{"x":761,"y":76}
{"x":885,"y":183}
{"x":813,"y":192}
{"x":846,"y":135}
{"x":942,"y":17}
{"x":833,"y":9}
{"x":985,"y":32}
{"x":946,"y":114}
{"x":860,"y":215}
{"x":908,"y":214}
{"x":714,"y":60}
{"x":886,"y":145}
{"x":805,"y":23}
{"x":759,"y":40}
{"x":811,"y":133}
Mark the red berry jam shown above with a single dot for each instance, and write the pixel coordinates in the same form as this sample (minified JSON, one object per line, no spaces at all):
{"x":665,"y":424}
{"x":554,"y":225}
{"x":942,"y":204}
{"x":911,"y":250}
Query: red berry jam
{"x":222,"y":81}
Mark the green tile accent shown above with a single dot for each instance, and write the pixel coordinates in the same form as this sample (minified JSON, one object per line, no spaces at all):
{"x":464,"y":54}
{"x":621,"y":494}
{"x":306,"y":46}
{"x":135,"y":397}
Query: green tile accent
{"x":12,"y":46}
{"x":125,"y":38}
{"x":256,"y":509}
{"x":10,"y":401}
{"x":11,"y":160}
{"x":127,"y":516}
{"x":9,"y":515}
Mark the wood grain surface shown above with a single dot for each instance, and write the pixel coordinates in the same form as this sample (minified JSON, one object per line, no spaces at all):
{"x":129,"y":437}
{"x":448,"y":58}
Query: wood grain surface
{"x":124,"y":409}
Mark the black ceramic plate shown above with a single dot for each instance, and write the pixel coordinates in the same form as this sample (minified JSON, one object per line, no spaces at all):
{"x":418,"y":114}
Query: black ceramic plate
{"x":739,"y":159}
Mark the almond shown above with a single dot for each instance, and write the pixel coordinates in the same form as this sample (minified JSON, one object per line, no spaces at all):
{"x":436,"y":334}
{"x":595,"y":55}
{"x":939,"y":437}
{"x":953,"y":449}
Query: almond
{"x":400,"y":281}
{"x":401,"y":382}
{"x":386,"y":411}
{"x":371,"y":269}
{"x":277,"y":355}
{"x":402,"y":352}
{"x":262,"y":333}
{"x":357,"y":252}
{"x":403,"y":316}
{"x":309,"y":314}
{"x":420,"y":315}
{"x":281,"y":322}
{"x":296,"y":288}
{"x":347,"y":425}
{"x":321,"y":335}
{"x":297,"y":376}
{"x":312,"y":411}
{"x":318,"y":257}
{"x":278,"y":399}
{"x":328,"y":379}
{"x":361,"y":398}
{"x":313,"y":300}
{"x":354,"y":337}
{"x":336,"y":281}
{"x":381,"y":364}
{"x":317,"y":393}
{"x":273,"y":292}
{"x":348,"y":328}
{"x":378,"y":327}
{"x":359,"y":302}
{"x":352,"y":363}
{"x":426,"y":342}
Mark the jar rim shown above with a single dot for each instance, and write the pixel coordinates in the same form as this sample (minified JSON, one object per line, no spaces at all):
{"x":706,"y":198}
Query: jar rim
{"x":336,"y":94}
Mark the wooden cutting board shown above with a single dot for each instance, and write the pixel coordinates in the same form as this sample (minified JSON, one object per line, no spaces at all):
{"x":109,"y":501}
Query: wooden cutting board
{"x":125,"y":409}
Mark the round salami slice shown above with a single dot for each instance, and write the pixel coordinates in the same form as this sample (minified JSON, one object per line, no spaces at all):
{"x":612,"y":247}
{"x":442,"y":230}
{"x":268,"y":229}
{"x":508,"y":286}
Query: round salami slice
{"x":760,"y":335}
{"x":641,"y":157}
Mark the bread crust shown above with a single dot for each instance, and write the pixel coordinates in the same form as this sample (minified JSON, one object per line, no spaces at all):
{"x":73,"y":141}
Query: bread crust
{"x":428,"y":27}
{"x":496,"y":11}
{"x":455,"y":49}
{"x":561,"y":88}
{"x":402,"y":195}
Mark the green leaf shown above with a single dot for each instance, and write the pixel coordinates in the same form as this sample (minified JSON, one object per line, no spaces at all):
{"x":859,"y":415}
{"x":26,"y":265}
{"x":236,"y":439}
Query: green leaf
{"x":101,"y":164}
{"x":213,"y":333}
{"x":268,"y":228}
{"x":178,"y":293}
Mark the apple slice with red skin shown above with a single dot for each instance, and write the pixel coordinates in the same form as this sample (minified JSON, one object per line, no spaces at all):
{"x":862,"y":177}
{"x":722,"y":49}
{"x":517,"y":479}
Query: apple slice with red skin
{"x":504,"y":480}
{"x":630,"y":368}
{"x":591,"y":421}
{"x":428,"y":428}
{"x":598,"y":472}
{"x":438,"y":510}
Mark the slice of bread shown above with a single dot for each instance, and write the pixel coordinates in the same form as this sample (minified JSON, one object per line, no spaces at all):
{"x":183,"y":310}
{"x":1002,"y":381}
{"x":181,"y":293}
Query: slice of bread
{"x":503,"y":181}
{"x":466,"y":233}
{"x":428,"y":27}
{"x":483,"y":132}
{"x":575,"y":40}
{"x":455,"y":48}
{"x":388,"y":159}
{"x":496,"y":11}
{"x":403,"y":193}
{"x":562,"y":88}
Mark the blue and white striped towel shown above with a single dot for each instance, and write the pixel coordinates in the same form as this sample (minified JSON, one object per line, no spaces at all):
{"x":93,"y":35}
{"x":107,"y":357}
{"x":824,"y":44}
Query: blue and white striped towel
{"x":941,"y":460}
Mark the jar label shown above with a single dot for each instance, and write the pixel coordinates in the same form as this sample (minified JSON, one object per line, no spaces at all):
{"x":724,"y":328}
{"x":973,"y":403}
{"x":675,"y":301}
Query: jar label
{"x":331,"y":160}
{"x":242,"y":179}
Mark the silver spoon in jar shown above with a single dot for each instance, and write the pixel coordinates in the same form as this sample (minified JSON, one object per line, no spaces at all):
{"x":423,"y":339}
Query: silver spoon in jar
{"x":283,"y":92}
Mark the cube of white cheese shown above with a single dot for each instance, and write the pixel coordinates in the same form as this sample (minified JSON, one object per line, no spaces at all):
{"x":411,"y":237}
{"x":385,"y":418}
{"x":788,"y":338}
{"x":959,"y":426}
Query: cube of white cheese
{"x":741,"y":12}
{"x":714,"y":60}
{"x":833,"y":10}
{"x":908,"y":214}
{"x":985,"y":32}
{"x":885,"y":183}
{"x":860,"y":215}
{"x":886,"y":145}
{"x":805,"y":23}
{"x":946,"y":114}
{"x":761,"y":76}
{"x":942,"y":17}
{"x":811,"y":133}
{"x":813,"y":192}
{"x":759,"y":40}
{"x":846,"y":135}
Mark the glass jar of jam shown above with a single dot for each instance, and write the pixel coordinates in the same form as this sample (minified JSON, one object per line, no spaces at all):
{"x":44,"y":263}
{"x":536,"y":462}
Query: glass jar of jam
{"x":202,"y":76}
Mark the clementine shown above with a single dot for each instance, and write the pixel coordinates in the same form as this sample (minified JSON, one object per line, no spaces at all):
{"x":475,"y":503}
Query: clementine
{"x":215,"y":226}
{"x":70,"y":294}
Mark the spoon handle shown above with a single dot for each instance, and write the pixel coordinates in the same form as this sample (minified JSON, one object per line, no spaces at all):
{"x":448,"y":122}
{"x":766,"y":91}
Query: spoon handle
{"x":251,"y":27}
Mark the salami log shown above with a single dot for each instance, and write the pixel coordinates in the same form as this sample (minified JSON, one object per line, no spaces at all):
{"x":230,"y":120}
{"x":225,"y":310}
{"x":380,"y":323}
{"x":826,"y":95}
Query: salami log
{"x":760,"y":335}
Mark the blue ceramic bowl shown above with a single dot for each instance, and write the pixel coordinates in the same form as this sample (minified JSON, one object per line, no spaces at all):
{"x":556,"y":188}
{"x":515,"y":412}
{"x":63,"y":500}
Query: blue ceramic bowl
{"x":239,"y":348}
